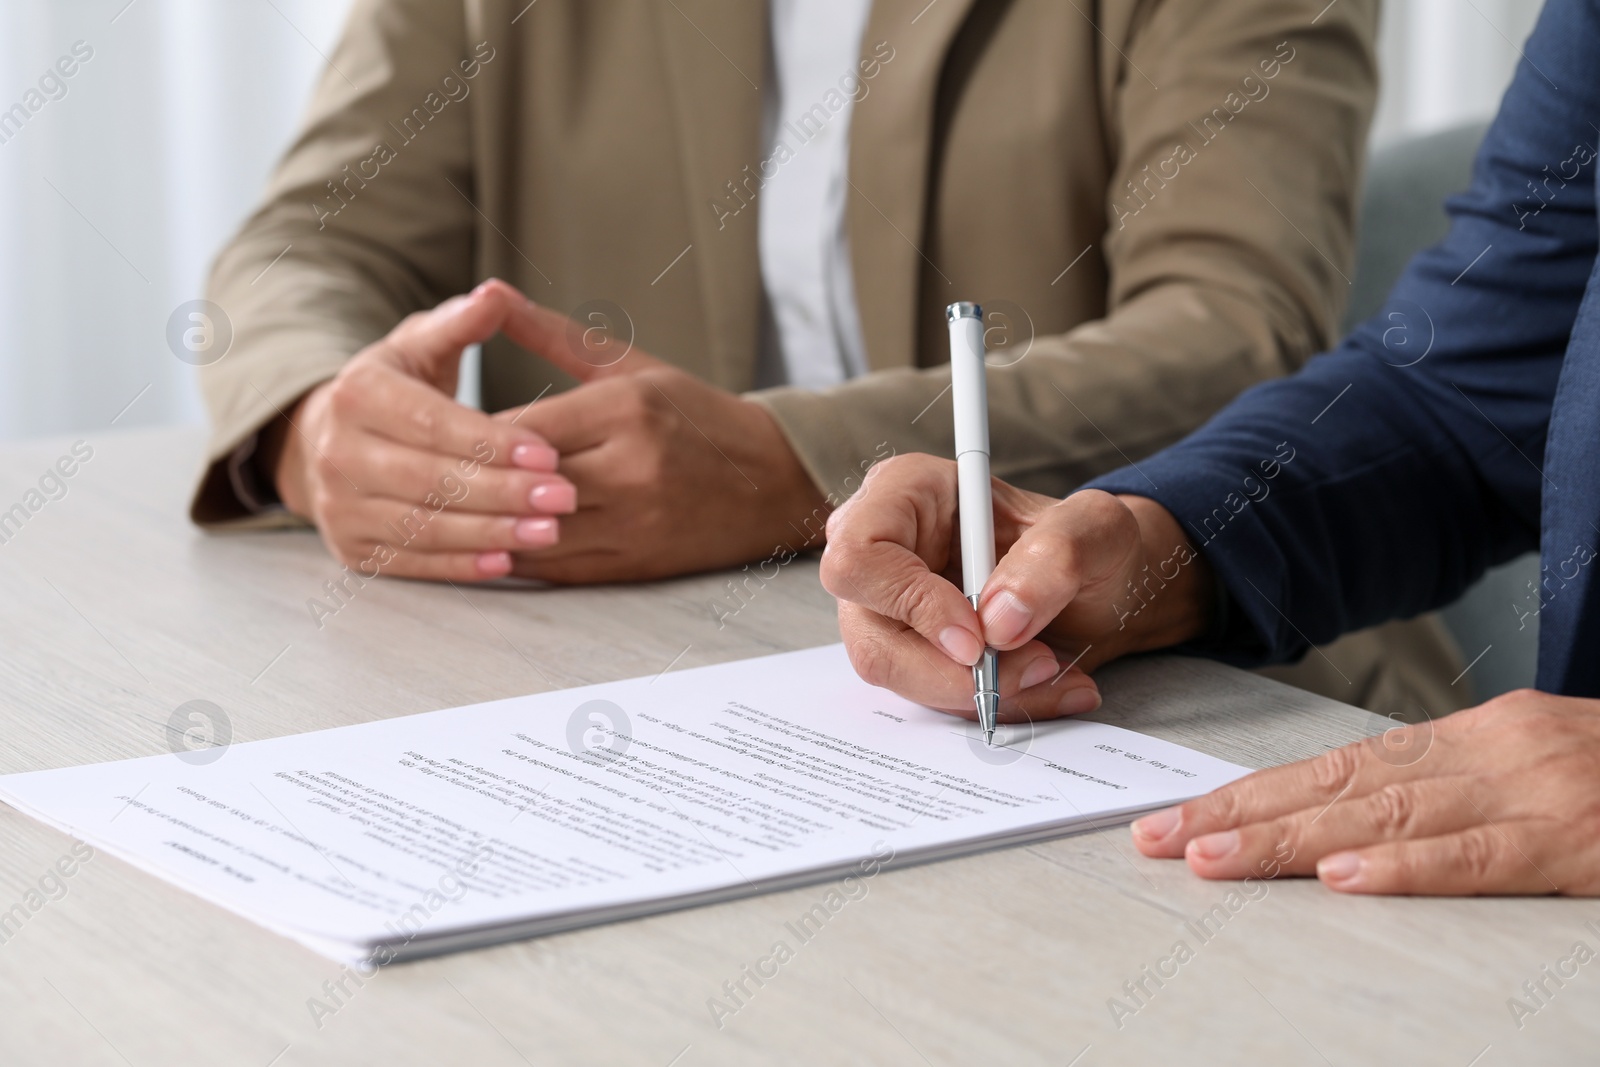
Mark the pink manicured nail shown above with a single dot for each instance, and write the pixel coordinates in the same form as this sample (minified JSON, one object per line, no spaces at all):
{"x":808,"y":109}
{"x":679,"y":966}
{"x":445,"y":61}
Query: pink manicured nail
{"x":535,"y":457}
{"x":1158,"y":825}
{"x":1341,"y":868}
{"x":494,"y":564}
{"x":555,"y":498}
{"x":1039,"y":671}
{"x":537,"y":531}
{"x":1215,"y":846}
{"x":1080,"y":701}
{"x":1004,"y":618}
{"x":960,"y":645}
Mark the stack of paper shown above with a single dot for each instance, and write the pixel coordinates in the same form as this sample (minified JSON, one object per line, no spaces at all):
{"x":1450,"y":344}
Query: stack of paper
{"x":461,"y":828}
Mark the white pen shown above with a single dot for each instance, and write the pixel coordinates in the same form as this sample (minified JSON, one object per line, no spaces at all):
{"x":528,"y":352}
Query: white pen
{"x":975,"y":502}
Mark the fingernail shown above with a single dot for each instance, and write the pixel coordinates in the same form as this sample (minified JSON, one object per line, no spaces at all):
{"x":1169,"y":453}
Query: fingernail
{"x":1080,"y":701}
{"x":1004,"y":618}
{"x":494,"y":564}
{"x":1159,"y":825}
{"x":535,"y":457}
{"x":960,"y":645}
{"x":1341,"y":868}
{"x":1039,"y":671}
{"x":537,"y":531}
{"x":1215,"y":846}
{"x":555,"y":498}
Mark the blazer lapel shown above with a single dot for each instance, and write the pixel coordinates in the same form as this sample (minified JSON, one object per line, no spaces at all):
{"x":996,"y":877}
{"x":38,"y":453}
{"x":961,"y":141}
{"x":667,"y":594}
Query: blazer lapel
{"x":890,"y":137}
{"x":716,"y":59}
{"x":1569,"y":619}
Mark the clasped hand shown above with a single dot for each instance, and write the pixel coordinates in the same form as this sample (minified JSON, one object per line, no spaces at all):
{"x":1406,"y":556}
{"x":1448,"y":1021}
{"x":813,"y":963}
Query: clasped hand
{"x":641,"y":471}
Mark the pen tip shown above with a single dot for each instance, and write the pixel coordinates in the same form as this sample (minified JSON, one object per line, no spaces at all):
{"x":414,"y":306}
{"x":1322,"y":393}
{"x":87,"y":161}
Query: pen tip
{"x":988,"y":738}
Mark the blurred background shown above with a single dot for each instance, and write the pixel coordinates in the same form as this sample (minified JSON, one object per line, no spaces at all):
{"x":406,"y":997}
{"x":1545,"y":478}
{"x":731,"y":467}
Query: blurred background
{"x":117,"y":194}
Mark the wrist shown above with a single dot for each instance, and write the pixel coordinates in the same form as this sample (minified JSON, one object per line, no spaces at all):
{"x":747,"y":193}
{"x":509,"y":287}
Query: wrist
{"x":280,"y":457}
{"x":803,"y":505}
{"x":1175,"y":586}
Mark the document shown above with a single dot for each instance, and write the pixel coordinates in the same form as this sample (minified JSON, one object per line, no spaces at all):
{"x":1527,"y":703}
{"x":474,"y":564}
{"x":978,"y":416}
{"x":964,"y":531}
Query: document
{"x":474,"y":825}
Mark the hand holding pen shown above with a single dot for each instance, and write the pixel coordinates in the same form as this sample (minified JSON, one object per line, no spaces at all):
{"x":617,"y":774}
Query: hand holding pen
{"x":1057,"y":605}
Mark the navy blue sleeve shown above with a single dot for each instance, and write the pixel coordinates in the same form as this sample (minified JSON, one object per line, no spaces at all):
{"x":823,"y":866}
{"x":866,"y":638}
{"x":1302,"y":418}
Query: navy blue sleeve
{"x":1385,"y":477}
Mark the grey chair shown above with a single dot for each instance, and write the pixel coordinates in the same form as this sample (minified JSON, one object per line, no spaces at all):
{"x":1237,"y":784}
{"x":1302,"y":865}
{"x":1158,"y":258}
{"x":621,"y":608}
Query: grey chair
{"x":1401,"y":213}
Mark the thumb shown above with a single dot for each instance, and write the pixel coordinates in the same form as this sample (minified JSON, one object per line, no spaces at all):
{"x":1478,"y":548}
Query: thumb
{"x":428,"y":344}
{"x":596,"y":344}
{"x":1073,"y":545}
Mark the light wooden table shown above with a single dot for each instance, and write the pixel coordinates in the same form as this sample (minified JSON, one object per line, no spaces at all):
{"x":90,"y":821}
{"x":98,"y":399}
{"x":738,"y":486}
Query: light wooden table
{"x":116,"y":612}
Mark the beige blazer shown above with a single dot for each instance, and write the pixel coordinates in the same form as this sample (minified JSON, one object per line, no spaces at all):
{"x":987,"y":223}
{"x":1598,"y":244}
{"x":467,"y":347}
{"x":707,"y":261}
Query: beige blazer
{"x":1153,"y":198}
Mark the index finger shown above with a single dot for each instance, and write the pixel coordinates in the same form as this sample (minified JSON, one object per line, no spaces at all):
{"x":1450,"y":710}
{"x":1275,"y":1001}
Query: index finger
{"x":396,"y":406}
{"x":886,"y":543}
{"x":1354,"y":770}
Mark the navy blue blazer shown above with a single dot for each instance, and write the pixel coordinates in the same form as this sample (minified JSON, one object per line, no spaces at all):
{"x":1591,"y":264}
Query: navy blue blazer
{"x":1455,"y":430}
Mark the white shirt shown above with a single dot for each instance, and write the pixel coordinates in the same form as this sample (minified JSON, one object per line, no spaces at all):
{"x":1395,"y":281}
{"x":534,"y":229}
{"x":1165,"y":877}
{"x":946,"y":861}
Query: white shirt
{"x":811,"y":333}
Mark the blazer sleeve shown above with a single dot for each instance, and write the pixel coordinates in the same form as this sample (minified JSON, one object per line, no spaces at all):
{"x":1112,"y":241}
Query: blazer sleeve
{"x":366,"y":220}
{"x":1235,"y":271}
{"x":1388,"y":475}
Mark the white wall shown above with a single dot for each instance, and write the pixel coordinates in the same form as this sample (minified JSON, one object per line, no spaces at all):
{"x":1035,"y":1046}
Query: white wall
{"x":161,"y":143}
{"x":1446,"y":62}
{"x":165,"y":138}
